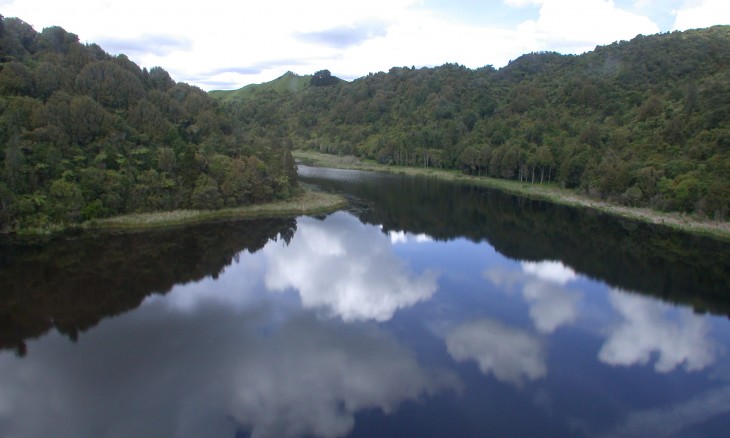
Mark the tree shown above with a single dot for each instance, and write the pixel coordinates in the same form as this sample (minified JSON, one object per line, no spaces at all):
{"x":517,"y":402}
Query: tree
{"x":545,"y":161}
{"x":109,"y":84}
{"x":65,"y":201}
{"x":468,"y":159}
{"x":510,"y":162}
{"x":87,"y":120}
{"x":19,"y":38}
{"x":323,"y":78}
{"x":159,"y":79}
{"x":47,"y":78}
{"x":206,"y":195}
{"x":15,"y":79}
{"x":56,"y":39}
{"x":166,"y":160}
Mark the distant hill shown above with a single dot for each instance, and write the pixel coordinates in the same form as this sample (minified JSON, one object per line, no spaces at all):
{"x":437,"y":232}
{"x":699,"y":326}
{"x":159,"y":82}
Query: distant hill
{"x":644,"y":122}
{"x":287,"y":83}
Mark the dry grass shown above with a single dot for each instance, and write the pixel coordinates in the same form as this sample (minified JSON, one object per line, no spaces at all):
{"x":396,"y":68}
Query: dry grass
{"x":547,"y":192}
{"x":309,"y":202}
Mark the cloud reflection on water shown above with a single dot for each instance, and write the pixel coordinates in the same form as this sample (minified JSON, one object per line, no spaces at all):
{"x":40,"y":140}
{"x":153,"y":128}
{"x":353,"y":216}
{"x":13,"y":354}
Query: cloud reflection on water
{"x":311,"y":380}
{"x":161,"y":373}
{"x":512,"y":355}
{"x":676,"y":336}
{"x":347,"y":269}
{"x":404,"y":237}
{"x":551,"y":304}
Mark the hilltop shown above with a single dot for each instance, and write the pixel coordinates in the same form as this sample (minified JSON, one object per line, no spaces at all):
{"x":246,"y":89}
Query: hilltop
{"x":287,"y":83}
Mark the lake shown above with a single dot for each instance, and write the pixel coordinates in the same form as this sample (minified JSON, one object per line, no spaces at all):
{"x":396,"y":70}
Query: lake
{"x":426,"y":308}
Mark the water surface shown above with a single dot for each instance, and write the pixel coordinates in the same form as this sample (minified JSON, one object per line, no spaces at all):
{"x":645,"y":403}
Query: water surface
{"x":425,"y":309}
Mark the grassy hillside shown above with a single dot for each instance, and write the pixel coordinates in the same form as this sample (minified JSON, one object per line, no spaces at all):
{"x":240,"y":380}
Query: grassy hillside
{"x":287,"y":83}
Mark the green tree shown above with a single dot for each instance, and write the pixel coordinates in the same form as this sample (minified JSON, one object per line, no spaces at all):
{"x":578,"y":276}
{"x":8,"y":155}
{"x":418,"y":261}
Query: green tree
{"x":323,"y":78}
{"x":206,"y":195}
{"x":109,"y":84}
{"x":65,"y":201}
{"x":87,"y":120}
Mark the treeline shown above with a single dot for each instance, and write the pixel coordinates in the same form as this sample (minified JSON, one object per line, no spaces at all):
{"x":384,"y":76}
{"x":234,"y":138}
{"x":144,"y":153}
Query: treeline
{"x":643,"y":123}
{"x":85,"y":135}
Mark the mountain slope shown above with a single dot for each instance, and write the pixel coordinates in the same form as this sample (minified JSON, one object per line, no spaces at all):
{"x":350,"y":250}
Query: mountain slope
{"x":287,"y":83}
{"x":644,"y":122}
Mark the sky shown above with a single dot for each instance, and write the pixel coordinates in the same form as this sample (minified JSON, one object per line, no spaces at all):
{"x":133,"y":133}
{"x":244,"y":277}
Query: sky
{"x":223,"y":44}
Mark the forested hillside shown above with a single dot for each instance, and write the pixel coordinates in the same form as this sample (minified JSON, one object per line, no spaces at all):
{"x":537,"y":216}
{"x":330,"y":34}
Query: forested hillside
{"x":644,"y":122}
{"x":84,"y":135}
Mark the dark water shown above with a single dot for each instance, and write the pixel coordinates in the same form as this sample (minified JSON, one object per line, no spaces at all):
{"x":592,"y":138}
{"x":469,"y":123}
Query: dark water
{"x":426,"y":309}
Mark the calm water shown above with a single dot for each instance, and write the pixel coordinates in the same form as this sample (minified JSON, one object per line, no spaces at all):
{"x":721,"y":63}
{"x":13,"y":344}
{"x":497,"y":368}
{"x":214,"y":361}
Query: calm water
{"x":425,"y":309}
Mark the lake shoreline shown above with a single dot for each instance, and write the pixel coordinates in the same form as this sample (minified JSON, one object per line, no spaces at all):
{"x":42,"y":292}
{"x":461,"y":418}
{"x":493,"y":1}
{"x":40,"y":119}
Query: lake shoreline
{"x":544,"y":192}
{"x":309,"y":202}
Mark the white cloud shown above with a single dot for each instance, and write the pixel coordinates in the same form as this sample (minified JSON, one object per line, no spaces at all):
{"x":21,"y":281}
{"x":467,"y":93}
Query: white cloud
{"x":522,"y":3}
{"x":397,"y":237}
{"x":503,"y":277}
{"x":576,"y":26}
{"x":346,"y":269}
{"x":543,"y":288}
{"x":510,"y":354}
{"x":231,"y":44}
{"x":702,"y":14}
{"x":553,"y":271}
{"x":208,"y":375}
{"x":314,"y":381}
{"x":551,"y":306}
{"x":403,"y":237}
{"x":424,"y":39}
{"x":648,"y":328}
{"x":236,"y":288}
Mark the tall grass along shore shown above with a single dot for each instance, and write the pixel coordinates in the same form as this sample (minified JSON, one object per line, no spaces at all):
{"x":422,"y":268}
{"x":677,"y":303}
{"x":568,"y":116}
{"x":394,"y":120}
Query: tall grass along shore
{"x":547,"y":192}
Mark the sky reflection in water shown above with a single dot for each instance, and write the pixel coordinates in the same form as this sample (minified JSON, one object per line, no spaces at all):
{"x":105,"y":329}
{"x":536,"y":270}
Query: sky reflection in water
{"x":349,"y":329}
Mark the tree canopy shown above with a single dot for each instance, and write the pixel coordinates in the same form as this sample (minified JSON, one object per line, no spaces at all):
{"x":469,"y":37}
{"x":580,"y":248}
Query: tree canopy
{"x":644,"y":122}
{"x":85,"y":135}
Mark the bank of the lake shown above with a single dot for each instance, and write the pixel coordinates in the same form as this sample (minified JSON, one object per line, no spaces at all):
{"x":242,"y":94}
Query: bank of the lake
{"x":308,"y":203}
{"x":547,"y":192}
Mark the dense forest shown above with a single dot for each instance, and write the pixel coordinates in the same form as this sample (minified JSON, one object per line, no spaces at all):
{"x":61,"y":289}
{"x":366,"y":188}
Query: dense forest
{"x":85,"y":135}
{"x":644,"y":122}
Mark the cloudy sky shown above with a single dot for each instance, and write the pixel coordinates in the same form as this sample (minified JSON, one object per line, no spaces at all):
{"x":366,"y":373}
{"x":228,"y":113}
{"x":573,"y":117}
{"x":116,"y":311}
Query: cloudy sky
{"x":219,"y":44}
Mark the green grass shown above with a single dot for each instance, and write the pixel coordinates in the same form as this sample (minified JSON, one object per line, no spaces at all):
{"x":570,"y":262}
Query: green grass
{"x":287,"y":83}
{"x":547,"y":192}
{"x":309,"y":202}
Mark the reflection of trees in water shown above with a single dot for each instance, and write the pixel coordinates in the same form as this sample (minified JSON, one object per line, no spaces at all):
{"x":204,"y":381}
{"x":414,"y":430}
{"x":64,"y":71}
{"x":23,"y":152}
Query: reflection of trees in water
{"x":654,"y":260}
{"x":73,"y":284}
